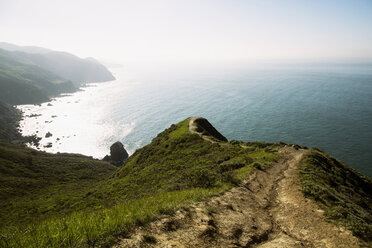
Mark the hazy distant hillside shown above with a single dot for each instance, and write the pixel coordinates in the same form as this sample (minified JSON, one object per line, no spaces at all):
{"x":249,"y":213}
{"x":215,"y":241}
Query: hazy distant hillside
{"x":22,"y":82}
{"x":26,"y":49}
{"x":63,"y":64}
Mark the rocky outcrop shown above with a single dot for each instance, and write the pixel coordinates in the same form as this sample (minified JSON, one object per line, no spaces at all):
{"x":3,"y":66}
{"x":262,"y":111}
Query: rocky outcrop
{"x":205,"y":129}
{"x":48,"y":134}
{"x":118,"y":154}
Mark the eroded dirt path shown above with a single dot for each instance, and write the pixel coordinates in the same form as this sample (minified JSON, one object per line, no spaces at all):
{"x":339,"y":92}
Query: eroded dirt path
{"x":267,"y":210}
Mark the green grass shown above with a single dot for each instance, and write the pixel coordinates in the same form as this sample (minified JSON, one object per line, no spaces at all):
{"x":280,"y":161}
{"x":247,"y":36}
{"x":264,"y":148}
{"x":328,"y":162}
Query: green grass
{"x":174,"y":170}
{"x":86,"y":229}
{"x":69,"y":200}
{"x":177,"y":160}
{"x":182,"y":129}
{"x":36,"y":185}
{"x":344,"y":194}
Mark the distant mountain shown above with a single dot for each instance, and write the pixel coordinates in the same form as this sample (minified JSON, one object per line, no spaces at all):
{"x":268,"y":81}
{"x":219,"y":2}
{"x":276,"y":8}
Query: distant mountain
{"x":22,"y":82}
{"x":26,"y":49}
{"x":79,"y":71}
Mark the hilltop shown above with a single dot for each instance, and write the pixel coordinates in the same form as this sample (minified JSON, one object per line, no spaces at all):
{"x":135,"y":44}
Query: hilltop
{"x":189,"y":187}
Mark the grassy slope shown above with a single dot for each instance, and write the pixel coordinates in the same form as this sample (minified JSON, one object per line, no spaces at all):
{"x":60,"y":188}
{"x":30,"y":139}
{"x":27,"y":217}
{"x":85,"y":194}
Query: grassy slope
{"x":177,"y":160}
{"x":23,"y":82}
{"x":35,"y":185}
{"x":344,"y":194}
{"x":176,"y":169}
{"x":68,"y":209}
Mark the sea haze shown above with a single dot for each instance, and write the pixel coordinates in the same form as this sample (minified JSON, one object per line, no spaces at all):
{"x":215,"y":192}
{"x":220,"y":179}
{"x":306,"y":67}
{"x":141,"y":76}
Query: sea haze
{"x":324,"y":105}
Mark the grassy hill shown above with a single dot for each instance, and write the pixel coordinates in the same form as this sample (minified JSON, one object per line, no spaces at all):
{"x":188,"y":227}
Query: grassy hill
{"x":344,"y":194}
{"x":36,"y":184}
{"x":68,"y":210}
{"x":67,"y":200}
{"x":22,"y":82}
{"x":178,"y":160}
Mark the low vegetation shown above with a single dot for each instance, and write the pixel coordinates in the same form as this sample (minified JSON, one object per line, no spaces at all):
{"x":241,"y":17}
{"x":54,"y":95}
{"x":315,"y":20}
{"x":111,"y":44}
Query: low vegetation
{"x":342,"y":192}
{"x":36,"y":185}
{"x":176,"y":169}
{"x":70,"y":200}
{"x":177,"y":160}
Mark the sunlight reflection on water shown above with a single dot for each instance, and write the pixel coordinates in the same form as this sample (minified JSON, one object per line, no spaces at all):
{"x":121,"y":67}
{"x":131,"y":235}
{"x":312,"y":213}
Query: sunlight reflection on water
{"x":79,"y":123}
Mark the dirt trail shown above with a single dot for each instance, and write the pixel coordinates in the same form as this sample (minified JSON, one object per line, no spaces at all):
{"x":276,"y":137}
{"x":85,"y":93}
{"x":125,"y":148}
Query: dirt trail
{"x":268,"y":210}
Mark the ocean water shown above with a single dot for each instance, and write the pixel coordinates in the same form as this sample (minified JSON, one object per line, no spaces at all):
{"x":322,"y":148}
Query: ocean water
{"x":324,"y":105}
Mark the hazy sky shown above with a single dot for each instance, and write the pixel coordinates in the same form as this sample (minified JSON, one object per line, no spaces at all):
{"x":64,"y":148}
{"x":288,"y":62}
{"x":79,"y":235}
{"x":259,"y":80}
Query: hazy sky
{"x":192,"y":30}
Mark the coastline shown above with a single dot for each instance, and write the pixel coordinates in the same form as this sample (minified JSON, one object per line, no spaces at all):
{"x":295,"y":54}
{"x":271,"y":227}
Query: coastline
{"x":39,"y":121}
{"x":307,"y":119}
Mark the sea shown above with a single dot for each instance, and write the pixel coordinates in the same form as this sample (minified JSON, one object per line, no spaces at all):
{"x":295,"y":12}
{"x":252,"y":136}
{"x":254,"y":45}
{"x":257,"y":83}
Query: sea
{"x":320,"y":104}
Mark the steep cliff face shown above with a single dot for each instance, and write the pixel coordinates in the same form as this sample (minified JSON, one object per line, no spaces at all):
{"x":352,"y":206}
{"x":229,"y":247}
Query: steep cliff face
{"x":9,"y":118}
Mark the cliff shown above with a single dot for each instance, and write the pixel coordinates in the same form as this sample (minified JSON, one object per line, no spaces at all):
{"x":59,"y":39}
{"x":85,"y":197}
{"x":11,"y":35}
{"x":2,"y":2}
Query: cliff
{"x":9,"y":118}
{"x":189,"y":187}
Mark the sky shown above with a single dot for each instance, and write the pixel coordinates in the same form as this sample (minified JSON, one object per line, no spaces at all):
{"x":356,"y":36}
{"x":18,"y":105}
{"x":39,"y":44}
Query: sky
{"x":192,"y":30}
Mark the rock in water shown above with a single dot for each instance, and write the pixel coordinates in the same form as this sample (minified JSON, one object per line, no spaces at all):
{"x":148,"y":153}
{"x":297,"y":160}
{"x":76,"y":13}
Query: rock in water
{"x":118,"y":154}
{"x":48,"y":134}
